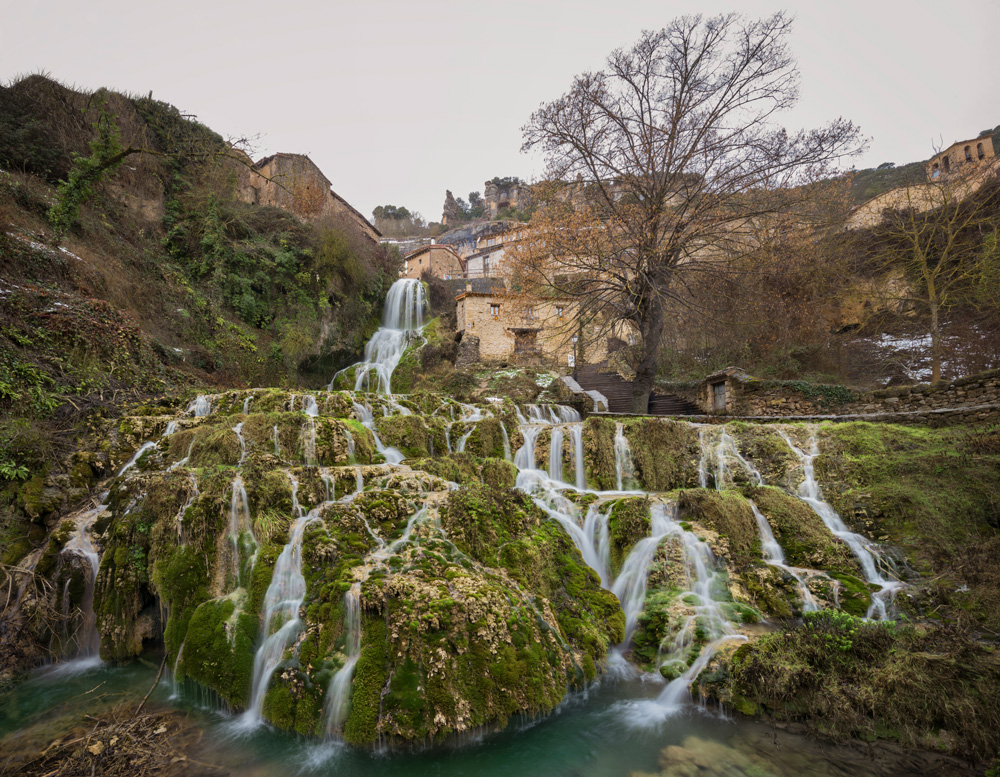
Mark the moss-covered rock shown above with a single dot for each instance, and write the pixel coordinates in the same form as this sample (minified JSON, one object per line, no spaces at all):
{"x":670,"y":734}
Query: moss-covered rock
{"x":628,"y":522}
{"x":665,"y":453}
{"x":804,"y":538}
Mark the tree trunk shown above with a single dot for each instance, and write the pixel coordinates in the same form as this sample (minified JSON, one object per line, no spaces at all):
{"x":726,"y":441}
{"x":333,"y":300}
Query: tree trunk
{"x":935,"y":344}
{"x":645,"y":372}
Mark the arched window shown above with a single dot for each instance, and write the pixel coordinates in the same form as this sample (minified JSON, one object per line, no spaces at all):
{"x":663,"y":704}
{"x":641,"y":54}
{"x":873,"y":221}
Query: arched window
{"x":968,"y":153}
{"x":947,"y":163}
{"x":979,"y":150}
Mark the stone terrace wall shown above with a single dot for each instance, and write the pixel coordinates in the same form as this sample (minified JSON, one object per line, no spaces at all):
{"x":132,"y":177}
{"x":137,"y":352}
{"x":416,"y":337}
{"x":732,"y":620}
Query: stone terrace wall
{"x":794,"y":398}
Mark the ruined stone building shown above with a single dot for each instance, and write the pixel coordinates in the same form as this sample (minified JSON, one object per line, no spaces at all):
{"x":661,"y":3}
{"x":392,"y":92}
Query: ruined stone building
{"x":440,"y":261}
{"x":294,"y":183}
{"x":958,"y":156}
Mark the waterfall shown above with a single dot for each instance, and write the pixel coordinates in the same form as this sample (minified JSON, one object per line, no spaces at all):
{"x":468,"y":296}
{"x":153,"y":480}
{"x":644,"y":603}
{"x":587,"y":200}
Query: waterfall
{"x":775,"y":556}
{"x":702,"y":459}
{"x":470,"y":415}
{"x":201,"y":406}
{"x":311,"y":409}
{"x":707,"y":623}
{"x":364,"y":415}
{"x":171,"y":428}
{"x":135,"y":458}
{"x":175,"y":688}
{"x":243,"y":444}
{"x":246,"y":404}
{"x":868,"y":556}
{"x":194,"y":494}
{"x":335,"y":705}
{"x":281,"y":608}
{"x":506,"y":441}
{"x":630,"y":585}
{"x":402,"y":319}
{"x":579,"y":465}
{"x":241,"y":534}
{"x":556,"y":453}
{"x":337,"y":700}
{"x":623,"y":457}
{"x":88,"y":641}
{"x":277,"y":446}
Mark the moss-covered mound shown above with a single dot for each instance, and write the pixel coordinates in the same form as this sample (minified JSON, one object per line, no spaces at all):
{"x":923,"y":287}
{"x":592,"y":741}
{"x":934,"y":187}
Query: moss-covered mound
{"x":934,"y":688}
{"x":932,"y":493}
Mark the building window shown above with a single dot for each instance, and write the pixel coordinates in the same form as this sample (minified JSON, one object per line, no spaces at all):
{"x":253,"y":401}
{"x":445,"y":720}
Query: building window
{"x":529,"y":312}
{"x":979,"y":150}
{"x":947,"y":163}
{"x":559,"y":311}
{"x":968,"y":153}
{"x":495,"y":311}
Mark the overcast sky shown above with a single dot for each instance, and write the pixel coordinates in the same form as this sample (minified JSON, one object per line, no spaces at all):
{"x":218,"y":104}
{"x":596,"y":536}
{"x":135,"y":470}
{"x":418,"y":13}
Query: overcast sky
{"x":398,"y":101}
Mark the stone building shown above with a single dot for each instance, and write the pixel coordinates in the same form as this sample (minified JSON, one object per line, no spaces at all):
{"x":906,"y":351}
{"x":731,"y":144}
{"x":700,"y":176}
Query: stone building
{"x":441,"y":261}
{"x":960,"y":155}
{"x":294,"y":183}
{"x":514,"y":328}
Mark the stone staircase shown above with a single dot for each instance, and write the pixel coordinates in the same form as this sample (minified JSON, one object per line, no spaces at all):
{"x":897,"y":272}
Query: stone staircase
{"x":619,"y":394}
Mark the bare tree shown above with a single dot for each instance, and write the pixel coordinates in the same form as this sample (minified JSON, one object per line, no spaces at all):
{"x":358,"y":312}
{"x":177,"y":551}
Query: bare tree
{"x":943,"y":238}
{"x":660,"y":161}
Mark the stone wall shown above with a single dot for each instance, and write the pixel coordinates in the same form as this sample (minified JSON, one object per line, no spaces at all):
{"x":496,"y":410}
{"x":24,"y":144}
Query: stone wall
{"x":758,"y":398}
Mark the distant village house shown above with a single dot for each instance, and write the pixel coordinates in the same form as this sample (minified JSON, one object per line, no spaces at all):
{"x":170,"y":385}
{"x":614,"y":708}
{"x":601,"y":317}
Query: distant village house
{"x":440,"y":261}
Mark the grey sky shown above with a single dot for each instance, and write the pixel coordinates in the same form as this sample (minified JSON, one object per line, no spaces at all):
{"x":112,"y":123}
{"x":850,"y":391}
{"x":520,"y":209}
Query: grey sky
{"x":398,"y":101}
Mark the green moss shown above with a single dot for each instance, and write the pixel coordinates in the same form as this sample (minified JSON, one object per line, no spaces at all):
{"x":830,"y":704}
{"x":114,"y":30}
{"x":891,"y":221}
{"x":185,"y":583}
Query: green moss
{"x":729,"y":514}
{"x":628,"y":523}
{"x":599,"y":452}
{"x":848,"y":677}
{"x":370,"y":676}
{"x":219,"y":649}
{"x":499,"y":473}
{"x":665,"y":453}
{"x":413,"y":435}
{"x":804,"y":538}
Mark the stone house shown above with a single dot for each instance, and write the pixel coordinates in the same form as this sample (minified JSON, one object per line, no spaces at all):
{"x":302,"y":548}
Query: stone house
{"x":294,"y":183}
{"x":959,"y":155}
{"x":719,"y":392}
{"x":440,"y":261}
{"x":524,"y":329}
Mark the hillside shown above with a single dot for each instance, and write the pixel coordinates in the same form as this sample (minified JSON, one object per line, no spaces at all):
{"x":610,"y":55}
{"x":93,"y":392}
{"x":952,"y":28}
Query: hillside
{"x":164,"y":281}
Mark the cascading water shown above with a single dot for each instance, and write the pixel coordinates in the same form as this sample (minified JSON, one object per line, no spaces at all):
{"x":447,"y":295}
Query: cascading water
{"x":623,"y":457}
{"x":775,"y":556}
{"x":241,"y":536}
{"x":556,"y":454}
{"x":336,"y":704}
{"x":364,"y":415}
{"x":872,"y":562}
{"x":470,"y":415}
{"x":402,"y":319}
{"x":201,"y":406}
{"x":311,"y":409}
{"x":281,"y":608}
{"x":630,"y":585}
{"x":705,"y":629}
{"x":88,"y":641}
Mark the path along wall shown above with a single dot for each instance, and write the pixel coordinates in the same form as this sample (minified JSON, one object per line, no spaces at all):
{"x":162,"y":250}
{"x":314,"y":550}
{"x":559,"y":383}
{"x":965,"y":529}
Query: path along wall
{"x":749,"y":397}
